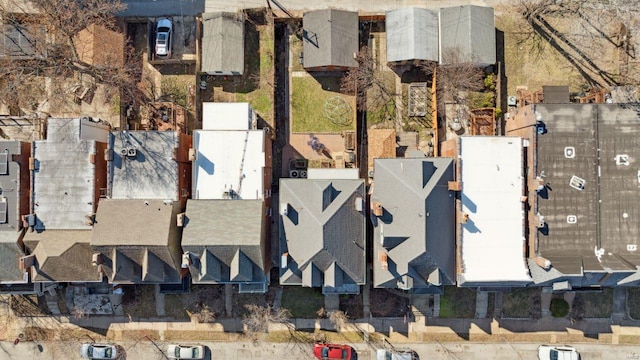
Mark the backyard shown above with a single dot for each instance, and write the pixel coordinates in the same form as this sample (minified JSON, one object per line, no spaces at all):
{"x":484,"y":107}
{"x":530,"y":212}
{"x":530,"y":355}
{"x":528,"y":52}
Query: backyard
{"x":317,"y":106}
{"x":256,"y":85}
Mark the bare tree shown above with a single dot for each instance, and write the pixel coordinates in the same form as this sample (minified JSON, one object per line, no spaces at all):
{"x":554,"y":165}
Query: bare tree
{"x":339,"y":319}
{"x":456,"y":77}
{"x":63,"y":39}
{"x":373,"y":92}
{"x":258,"y":318}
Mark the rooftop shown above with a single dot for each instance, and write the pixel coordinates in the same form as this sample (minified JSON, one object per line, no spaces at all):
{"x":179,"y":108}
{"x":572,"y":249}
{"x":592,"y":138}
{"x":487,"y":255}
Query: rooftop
{"x":590,"y":199}
{"x":412,"y":34}
{"x":223,"y":43}
{"x":471,"y":29}
{"x":416,"y":229}
{"x":330,"y":38}
{"x":64,"y":179}
{"x":228,"y":233}
{"x":229,"y":164}
{"x":492,"y":238}
{"x":151,"y":172}
{"x":227,"y":116}
{"x":323,"y":232}
{"x":135,"y":222}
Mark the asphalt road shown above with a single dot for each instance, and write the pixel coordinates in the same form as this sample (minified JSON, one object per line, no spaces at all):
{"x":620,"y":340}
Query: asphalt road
{"x":262,"y":351}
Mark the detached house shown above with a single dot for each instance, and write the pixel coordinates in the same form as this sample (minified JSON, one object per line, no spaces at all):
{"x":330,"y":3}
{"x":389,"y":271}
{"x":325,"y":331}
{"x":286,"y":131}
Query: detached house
{"x":14,"y":204}
{"x":322,"y":232}
{"x":469,"y":32}
{"x":136,"y":238}
{"x":412,"y":35}
{"x":68,"y":176}
{"x":413,"y":216}
{"x":227,"y":223}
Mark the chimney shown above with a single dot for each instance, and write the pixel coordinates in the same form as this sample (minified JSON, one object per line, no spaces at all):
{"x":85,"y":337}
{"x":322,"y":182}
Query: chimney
{"x":382,"y":257}
{"x":284,"y":260}
{"x":464,"y":218}
{"x":377,"y":208}
{"x":96,"y":259}
{"x":180,"y":219}
{"x":186,"y":260}
{"x":26,"y":262}
{"x":455,"y":185}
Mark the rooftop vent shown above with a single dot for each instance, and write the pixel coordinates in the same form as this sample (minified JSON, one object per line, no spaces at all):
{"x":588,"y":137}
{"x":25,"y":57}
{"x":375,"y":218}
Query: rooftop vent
{"x":283,"y":260}
{"x":359,"y":203}
{"x":572,"y":219}
{"x":577,"y":183}
{"x":540,"y":224}
{"x":382,"y":257}
{"x":284,"y":209}
{"x":569,"y":152}
{"x":632,"y":247}
{"x":622,"y":159}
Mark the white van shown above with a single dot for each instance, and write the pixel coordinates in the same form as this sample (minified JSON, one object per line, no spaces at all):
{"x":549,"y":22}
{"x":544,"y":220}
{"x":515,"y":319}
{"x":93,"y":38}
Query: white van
{"x":382,"y":354}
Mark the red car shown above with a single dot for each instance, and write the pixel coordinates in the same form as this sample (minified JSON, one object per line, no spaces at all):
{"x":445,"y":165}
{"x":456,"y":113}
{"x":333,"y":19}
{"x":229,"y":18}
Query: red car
{"x":334,"y":351}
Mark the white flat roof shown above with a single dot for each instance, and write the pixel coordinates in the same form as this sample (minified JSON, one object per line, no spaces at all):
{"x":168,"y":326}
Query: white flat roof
{"x":220,"y":158}
{"x":226,"y":116}
{"x":331,"y":174}
{"x":492,"y":187}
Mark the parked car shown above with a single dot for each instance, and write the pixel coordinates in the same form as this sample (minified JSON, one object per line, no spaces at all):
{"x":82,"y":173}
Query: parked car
{"x":557,"y":352}
{"x":382,"y":354}
{"x":99,"y":351}
{"x":164,"y":32}
{"x":334,"y":351}
{"x":185,"y":352}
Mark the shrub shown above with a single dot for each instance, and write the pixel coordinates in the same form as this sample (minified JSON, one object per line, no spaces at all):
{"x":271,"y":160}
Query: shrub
{"x":559,"y":308}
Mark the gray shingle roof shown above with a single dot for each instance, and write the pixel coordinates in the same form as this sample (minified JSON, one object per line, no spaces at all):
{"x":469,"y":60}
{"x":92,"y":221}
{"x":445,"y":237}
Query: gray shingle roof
{"x":225,"y":239}
{"x":223,"y":43}
{"x":417,"y":228}
{"x":472,"y":30}
{"x":139,"y":240}
{"x":62,"y":256}
{"x":330,"y":38}
{"x":322,"y":232}
{"x":412,"y":34}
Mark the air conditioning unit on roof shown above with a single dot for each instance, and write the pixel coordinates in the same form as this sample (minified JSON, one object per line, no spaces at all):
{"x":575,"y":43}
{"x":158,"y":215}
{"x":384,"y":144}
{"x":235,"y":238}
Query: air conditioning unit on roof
{"x":294,"y":174}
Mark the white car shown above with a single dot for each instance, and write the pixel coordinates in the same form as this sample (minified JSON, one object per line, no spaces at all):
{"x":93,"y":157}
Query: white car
{"x":99,"y":351}
{"x":558,"y":352}
{"x":164,"y":31}
{"x":382,"y":354}
{"x":185,"y":352}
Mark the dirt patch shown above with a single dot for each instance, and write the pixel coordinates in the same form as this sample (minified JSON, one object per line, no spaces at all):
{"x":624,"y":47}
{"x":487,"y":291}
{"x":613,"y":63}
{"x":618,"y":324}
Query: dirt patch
{"x":139,"y":301}
{"x":522,"y":303}
{"x":351,"y":305}
{"x":178,"y":335}
{"x":385,"y":303}
{"x":592,"y":304}
{"x":200,"y":297}
{"x":28,"y":305}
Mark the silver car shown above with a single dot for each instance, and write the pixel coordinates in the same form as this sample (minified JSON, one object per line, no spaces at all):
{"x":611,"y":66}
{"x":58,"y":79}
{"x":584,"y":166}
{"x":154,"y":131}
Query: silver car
{"x":164,"y":32}
{"x":557,"y":352}
{"x":98,"y":351}
{"x":185,"y":352}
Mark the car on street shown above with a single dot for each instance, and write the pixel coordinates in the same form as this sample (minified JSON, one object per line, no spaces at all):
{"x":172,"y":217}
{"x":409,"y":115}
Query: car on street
{"x":164,"y":33}
{"x":99,"y":351}
{"x":334,"y":351}
{"x":175,"y":351}
{"x":382,"y":354}
{"x":557,"y":352}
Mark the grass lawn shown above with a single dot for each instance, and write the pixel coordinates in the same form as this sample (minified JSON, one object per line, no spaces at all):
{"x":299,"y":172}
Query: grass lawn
{"x":521,"y":303}
{"x":308,"y":98}
{"x":633,"y":302}
{"x":302,"y":302}
{"x":593,"y":304}
{"x":458,"y":303}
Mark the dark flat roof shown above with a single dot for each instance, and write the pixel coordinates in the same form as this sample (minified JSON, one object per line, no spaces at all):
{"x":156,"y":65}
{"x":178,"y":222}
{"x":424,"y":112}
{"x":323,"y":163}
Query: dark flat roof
{"x":605,"y":140}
